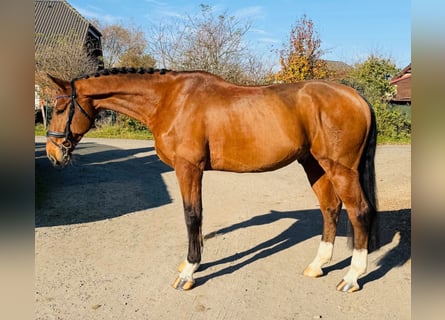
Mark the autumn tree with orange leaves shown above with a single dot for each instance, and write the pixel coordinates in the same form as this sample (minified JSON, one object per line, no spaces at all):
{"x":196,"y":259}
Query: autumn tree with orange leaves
{"x":300,"y":58}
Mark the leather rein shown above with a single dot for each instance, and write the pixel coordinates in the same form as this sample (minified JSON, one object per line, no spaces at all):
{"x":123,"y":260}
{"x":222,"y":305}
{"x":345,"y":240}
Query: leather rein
{"x":69,"y":141}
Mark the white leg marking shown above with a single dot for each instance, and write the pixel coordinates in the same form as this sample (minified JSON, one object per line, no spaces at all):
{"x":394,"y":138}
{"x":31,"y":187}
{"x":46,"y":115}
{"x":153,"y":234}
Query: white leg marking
{"x":188,"y":270}
{"x":359,"y":264}
{"x":324,"y":255}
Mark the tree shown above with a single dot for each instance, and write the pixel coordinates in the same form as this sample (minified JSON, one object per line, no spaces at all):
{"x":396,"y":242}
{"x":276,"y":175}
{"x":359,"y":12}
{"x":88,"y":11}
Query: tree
{"x":124,"y":46}
{"x":300,"y":58}
{"x":371,"y":77}
{"x":136,"y":59}
{"x":209,"y":42}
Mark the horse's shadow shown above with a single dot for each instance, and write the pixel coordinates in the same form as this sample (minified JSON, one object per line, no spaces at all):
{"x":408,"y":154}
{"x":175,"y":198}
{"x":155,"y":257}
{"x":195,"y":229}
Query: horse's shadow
{"x":309,"y":224}
{"x":101,"y":177}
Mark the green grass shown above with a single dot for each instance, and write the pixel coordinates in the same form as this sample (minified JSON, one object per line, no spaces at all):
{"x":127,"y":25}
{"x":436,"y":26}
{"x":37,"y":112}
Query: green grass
{"x":119,"y":132}
{"x":39,"y":130}
{"x":386,"y":140}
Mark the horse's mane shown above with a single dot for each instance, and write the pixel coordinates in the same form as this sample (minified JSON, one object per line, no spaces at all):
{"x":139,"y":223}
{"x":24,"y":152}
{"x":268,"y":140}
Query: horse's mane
{"x":122,"y":70}
{"x":131,"y":70}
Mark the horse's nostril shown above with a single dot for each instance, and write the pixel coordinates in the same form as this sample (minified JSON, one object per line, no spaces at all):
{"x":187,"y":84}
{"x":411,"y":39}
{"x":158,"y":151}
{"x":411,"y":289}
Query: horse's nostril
{"x":52,"y":159}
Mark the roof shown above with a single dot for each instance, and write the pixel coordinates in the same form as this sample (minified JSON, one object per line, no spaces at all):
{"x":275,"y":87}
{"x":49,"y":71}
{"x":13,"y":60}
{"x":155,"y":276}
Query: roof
{"x":402,"y":75}
{"x":56,"y":18}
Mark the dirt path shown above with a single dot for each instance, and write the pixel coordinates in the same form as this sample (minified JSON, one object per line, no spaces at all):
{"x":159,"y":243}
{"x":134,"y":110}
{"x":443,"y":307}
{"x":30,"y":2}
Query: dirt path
{"x":110,"y":233}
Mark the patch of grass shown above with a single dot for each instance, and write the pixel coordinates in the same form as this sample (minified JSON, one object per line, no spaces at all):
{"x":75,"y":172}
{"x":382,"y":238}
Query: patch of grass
{"x":391,"y":140}
{"x":39,"y":130}
{"x":119,"y":132}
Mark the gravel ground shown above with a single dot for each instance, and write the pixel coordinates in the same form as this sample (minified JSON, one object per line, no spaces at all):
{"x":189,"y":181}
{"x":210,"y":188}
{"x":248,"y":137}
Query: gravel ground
{"x":110,"y":234}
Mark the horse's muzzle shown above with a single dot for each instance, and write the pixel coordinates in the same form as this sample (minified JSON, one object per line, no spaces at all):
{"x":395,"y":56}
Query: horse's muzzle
{"x":59,"y":154}
{"x":58,"y":163}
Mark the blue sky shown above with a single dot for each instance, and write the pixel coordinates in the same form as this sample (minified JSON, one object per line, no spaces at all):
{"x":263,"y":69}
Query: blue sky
{"x":350,"y":30}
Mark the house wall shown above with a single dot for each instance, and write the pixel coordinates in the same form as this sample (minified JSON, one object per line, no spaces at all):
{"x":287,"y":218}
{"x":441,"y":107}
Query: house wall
{"x":404,"y":89}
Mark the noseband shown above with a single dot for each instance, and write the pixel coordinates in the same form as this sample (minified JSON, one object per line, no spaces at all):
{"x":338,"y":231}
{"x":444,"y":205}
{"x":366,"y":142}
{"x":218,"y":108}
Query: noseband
{"x":69,"y":142}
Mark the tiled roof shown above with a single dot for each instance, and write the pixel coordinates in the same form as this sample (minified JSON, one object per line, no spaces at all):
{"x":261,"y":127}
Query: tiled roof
{"x":57,"y":18}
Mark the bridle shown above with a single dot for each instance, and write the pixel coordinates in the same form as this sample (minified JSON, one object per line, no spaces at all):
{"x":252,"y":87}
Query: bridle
{"x":69,"y":142}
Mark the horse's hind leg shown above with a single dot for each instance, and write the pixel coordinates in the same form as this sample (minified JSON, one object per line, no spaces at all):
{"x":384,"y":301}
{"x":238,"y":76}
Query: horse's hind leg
{"x":330,"y":206}
{"x":347,"y":185}
{"x":190,"y":182}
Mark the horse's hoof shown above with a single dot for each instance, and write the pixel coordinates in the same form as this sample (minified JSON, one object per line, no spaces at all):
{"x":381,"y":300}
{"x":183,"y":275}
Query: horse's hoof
{"x":347,"y":286}
{"x":183,"y":284}
{"x":313,"y":273}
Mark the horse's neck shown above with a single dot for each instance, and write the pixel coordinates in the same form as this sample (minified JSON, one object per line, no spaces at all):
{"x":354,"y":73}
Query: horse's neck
{"x":136,"y":96}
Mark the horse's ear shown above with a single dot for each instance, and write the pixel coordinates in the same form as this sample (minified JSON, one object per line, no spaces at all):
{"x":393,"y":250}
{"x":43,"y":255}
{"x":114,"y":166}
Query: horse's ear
{"x":62,"y":84}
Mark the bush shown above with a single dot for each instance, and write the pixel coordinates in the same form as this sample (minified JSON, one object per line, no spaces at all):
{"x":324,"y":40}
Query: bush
{"x":372,"y":79}
{"x":392,"y":124}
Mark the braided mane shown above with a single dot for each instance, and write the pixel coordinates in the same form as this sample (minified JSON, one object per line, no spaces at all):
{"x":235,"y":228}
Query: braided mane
{"x":122,"y":70}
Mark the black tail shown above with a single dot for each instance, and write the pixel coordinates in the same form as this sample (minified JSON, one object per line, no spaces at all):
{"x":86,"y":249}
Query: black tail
{"x":368,"y":184}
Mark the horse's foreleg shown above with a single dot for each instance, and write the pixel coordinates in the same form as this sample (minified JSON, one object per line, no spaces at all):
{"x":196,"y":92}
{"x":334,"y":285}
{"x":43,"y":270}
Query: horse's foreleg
{"x":193,"y":220}
{"x":190,"y":183}
{"x":330,"y":206}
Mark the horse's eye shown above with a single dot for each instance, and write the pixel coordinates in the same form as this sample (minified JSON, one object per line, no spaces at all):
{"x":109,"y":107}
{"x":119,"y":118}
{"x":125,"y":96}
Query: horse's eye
{"x":60,"y":108}
{"x":60,"y":111}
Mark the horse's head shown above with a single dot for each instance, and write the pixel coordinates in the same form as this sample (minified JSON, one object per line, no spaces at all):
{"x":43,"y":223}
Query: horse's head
{"x":72,"y":117}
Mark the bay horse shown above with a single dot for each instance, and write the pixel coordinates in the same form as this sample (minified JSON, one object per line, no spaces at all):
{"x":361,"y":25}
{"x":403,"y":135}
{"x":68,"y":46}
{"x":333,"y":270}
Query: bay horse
{"x":201,"y":122}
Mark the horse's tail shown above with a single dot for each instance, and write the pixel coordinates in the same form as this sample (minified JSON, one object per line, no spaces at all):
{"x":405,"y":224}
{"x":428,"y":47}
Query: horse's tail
{"x":368,"y":184}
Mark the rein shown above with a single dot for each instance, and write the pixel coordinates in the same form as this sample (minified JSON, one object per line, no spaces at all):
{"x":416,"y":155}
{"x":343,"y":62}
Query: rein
{"x":69,"y":142}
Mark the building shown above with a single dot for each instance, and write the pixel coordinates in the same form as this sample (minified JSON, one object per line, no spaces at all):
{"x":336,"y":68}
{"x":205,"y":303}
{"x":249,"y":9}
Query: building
{"x":55,"y":19}
{"x":402,"y":81}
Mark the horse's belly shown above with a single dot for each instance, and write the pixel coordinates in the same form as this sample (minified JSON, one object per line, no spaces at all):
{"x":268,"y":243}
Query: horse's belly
{"x":256,"y":141}
{"x":241,"y":158}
